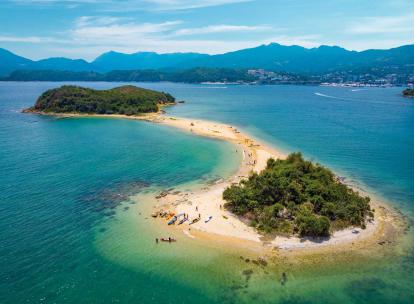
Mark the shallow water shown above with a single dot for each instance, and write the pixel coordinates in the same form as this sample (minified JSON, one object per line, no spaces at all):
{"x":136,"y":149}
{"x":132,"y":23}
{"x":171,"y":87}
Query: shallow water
{"x":71,"y":228}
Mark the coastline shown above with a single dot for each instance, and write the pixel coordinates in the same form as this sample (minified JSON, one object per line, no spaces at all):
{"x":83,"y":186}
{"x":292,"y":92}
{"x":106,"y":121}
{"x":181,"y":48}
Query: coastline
{"x":207,"y":201}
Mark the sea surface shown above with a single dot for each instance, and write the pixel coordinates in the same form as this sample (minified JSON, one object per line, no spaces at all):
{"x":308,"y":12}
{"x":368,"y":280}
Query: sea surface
{"x":75,"y":196}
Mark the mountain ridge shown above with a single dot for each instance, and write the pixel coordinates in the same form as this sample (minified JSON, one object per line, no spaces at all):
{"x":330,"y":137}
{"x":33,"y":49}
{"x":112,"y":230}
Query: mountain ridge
{"x":273,"y":56}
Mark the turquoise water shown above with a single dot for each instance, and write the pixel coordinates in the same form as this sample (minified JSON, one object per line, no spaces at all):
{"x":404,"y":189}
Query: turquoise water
{"x":72,"y":231}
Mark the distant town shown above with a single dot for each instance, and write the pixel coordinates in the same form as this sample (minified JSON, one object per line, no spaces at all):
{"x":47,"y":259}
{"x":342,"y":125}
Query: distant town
{"x":344,"y":78}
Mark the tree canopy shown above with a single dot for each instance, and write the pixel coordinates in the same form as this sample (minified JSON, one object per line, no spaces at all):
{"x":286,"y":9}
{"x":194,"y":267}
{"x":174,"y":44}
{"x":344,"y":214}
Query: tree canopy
{"x":194,"y":75}
{"x":297,"y":196}
{"x":128,"y":100}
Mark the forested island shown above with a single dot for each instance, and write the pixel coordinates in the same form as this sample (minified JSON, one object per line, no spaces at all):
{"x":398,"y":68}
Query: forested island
{"x":297,"y":196}
{"x":408,"y":93}
{"x":126,"y":100}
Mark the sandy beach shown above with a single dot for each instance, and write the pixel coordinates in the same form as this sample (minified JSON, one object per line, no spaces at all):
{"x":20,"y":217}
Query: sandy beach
{"x":207,"y":202}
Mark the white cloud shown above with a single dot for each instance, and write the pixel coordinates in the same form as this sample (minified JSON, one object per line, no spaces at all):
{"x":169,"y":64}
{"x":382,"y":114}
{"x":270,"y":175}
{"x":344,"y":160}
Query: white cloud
{"x":383,"y":25}
{"x":90,"y":35}
{"x":30,"y":39}
{"x":122,"y":5}
{"x":220,"y":28}
{"x":93,"y":34}
{"x":125,"y":32}
{"x":116,"y":30}
{"x":190,"y":4}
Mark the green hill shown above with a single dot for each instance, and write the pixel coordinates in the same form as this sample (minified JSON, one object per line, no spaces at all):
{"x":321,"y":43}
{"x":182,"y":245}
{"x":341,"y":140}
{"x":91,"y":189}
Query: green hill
{"x":297,"y":196}
{"x":273,"y":56}
{"x":128,"y":100}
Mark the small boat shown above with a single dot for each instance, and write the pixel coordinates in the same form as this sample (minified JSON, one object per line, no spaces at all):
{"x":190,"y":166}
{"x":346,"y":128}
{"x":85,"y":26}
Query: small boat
{"x":155,"y":214}
{"x":169,"y":240}
{"x":195,"y":220}
{"x":208,"y":220}
{"x":173,"y":220}
{"x":182,"y":221}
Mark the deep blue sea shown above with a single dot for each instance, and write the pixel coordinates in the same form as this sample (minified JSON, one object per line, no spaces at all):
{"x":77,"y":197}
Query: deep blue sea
{"x":67,"y":186}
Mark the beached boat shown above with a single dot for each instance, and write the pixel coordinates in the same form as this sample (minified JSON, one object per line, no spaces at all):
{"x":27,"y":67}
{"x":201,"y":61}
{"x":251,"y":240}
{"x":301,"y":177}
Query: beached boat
{"x":155,"y":214}
{"x":208,"y":219}
{"x":173,"y":220}
{"x":182,"y":221}
{"x":169,"y":240}
{"x":195,"y":220}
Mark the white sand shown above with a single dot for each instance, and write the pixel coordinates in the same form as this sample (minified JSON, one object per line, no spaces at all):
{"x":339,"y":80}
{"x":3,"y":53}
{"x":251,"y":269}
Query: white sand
{"x":208,"y":201}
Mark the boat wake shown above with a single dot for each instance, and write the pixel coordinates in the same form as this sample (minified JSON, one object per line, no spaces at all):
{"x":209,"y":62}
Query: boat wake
{"x":358,"y":99}
{"x":327,"y":96}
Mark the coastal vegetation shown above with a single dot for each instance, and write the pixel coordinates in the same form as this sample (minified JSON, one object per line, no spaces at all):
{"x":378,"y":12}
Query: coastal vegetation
{"x":127,"y":100}
{"x":297,"y":196}
{"x":408,"y":92}
{"x":194,"y":75}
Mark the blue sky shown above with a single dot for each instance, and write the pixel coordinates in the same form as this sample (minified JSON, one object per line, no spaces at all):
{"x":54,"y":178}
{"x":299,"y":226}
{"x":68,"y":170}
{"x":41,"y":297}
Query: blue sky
{"x":86,"y":28}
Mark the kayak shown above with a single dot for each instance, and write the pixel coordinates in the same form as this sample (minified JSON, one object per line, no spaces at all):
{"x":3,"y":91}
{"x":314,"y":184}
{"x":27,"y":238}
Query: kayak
{"x":182,"y":221}
{"x":194,"y":221}
{"x":172,"y":221}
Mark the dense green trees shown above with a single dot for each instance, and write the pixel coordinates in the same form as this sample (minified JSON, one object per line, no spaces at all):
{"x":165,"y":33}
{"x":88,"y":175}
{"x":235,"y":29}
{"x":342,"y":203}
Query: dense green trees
{"x":295,"y":195}
{"x":195,"y":75}
{"x":128,"y":100}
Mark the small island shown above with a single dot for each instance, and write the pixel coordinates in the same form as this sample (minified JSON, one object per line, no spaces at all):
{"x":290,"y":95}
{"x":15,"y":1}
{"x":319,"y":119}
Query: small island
{"x":408,"y":93}
{"x":288,"y":200}
{"x":296,"y":196}
{"x":124,"y":100}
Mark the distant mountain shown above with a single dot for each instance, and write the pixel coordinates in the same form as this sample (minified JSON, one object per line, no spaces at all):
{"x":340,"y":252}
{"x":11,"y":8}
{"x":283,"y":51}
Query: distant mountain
{"x":297,"y":59}
{"x":10,"y":62}
{"x":144,"y":60}
{"x":60,"y":63}
{"x":291,"y":59}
